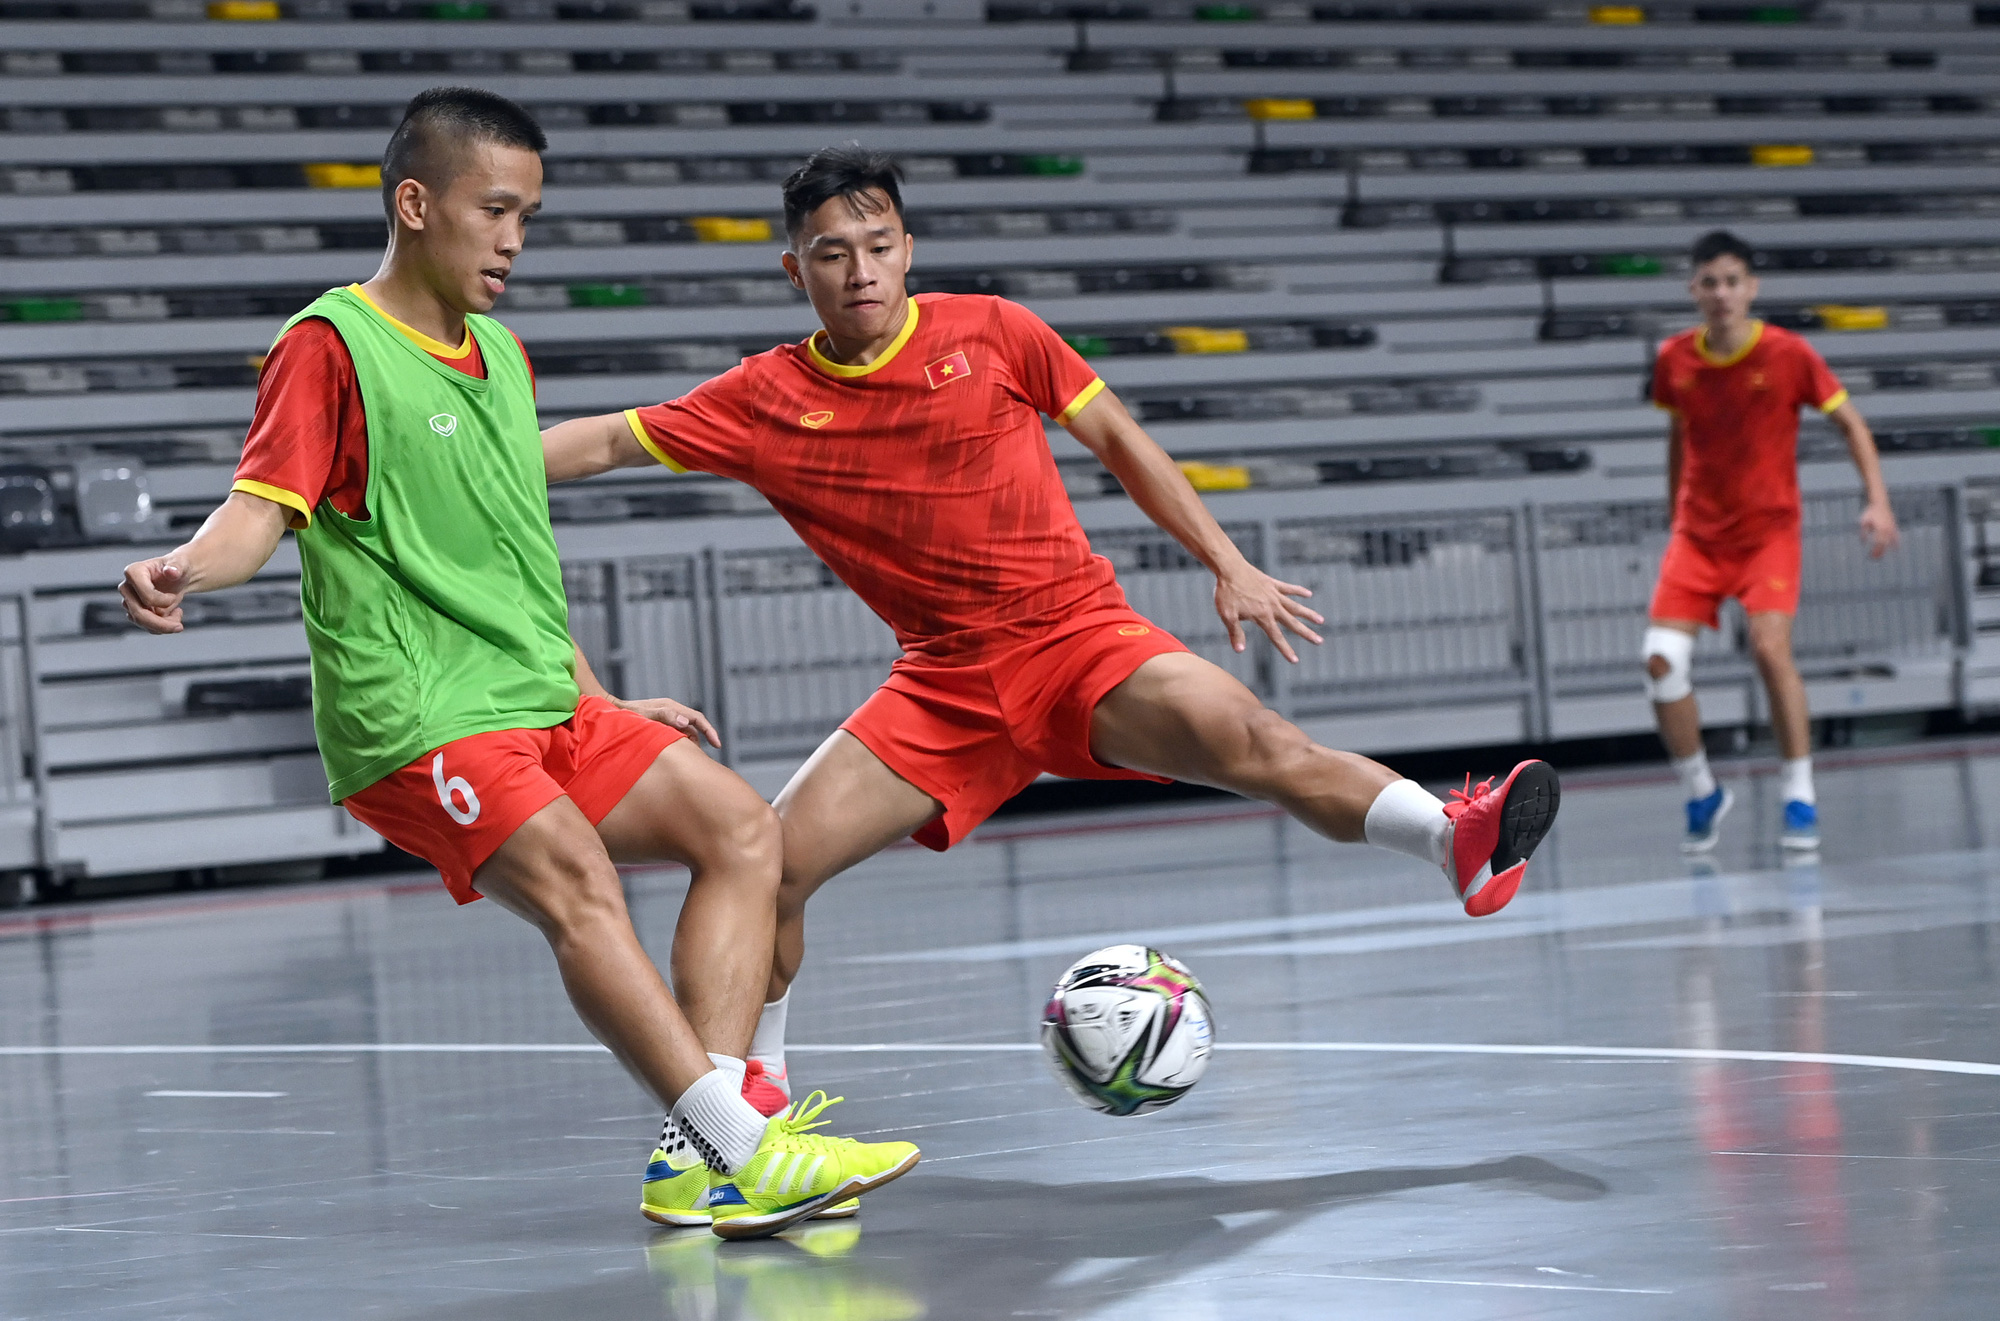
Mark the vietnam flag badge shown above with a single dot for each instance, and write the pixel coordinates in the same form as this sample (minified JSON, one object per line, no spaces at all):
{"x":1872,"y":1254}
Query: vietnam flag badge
{"x":947,"y":369}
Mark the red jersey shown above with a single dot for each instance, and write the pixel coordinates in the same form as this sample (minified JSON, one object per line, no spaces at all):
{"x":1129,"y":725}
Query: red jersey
{"x":924,"y":479}
{"x":308,"y":438}
{"x":1740,"y":429}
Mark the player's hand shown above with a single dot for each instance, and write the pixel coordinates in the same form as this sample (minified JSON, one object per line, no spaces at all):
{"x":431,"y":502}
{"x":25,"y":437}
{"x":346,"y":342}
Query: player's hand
{"x":1248,"y":595}
{"x":152,"y":592}
{"x":1878,"y":529}
{"x":675,"y":716}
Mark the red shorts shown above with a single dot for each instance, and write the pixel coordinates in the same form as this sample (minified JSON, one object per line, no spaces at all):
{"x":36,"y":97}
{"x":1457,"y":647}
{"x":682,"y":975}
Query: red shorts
{"x":1696,"y":577}
{"x":974,"y":735}
{"x":456,"y":804}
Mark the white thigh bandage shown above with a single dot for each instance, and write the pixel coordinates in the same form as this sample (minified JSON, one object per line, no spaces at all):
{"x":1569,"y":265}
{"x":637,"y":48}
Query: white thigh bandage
{"x":1677,"y":650}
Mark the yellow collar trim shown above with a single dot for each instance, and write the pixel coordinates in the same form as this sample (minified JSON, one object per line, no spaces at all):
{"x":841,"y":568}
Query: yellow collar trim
{"x":435,"y":347}
{"x":841,"y":369}
{"x":1701,"y":346}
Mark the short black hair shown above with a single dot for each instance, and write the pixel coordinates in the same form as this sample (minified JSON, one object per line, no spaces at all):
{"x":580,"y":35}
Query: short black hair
{"x":1722,"y":243}
{"x":846,"y":171}
{"x":439,"y":124}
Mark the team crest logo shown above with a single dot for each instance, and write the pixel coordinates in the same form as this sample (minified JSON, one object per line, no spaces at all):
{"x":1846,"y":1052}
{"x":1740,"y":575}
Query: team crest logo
{"x":947,"y":369}
{"x":444,"y":424}
{"x":1134,"y":631}
{"x":816,"y":420}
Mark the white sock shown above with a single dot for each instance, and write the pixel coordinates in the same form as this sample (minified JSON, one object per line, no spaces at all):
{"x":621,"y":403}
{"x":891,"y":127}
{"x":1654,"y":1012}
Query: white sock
{"x":1405,"y":817}
{"x":1798,"y":780}
{"x":671,"y":1137}
{"x":721,"y":1125}
{"x":767,"y":1044}
{"x":728,"y":1064}
{"x":1696,"y":778}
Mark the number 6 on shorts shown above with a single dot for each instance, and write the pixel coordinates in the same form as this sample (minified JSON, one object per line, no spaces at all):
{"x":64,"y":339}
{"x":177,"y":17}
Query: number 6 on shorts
{"x":457,"y":784}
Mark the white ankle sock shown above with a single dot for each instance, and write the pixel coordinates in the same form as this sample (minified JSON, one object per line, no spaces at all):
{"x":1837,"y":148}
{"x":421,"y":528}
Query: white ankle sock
{"x":1798,"y":780}
{"x":1406,"y":818}
{"x":723,"y":1127}
{"x":671,"y":1137}
{"x":728,"y":1064}
{"x":1696,"y":778}
{"x":767,"y":1044}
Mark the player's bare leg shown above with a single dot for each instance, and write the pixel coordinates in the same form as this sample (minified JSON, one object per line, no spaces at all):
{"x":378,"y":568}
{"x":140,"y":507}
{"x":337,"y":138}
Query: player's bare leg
{"x":1180,"y":716}
{"x":1791,"y":725}
{"x":688,"y":809}
{"x":1771,"y":648}
{"x":1679,"y":720}
{"x":843,"y":806}
{"x":557,"y":874}
{"x":1669,"y":655}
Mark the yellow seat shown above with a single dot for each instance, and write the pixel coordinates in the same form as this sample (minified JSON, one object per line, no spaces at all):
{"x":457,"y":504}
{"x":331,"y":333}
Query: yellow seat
{"x":1617,"y":15}
{"x":1279,"y":107}
{"x":730,"y":229}
{"x":338,"y":174}
{"x":1840,"y":316}
{"x":244,"y":11}
{"x":1202,"y":339}
{"x":1214,"y":476}
{"x":1781,"y":154}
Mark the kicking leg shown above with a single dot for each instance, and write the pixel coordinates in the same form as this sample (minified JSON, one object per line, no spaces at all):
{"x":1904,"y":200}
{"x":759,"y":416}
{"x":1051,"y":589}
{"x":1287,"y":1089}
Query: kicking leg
{"x":1180,"y":716}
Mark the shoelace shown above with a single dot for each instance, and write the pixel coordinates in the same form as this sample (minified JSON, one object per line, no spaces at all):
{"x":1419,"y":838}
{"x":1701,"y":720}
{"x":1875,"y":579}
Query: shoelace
{"x":1470,"y":794}
{"x":803,"y":1117}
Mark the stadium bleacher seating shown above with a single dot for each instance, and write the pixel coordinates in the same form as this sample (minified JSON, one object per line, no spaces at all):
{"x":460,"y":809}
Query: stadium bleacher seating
{"x":1347,"y":252}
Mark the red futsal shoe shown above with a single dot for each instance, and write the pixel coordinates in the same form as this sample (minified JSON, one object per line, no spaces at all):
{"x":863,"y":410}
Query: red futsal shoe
{"x":764,"y":1095}
{"x":1494,"y":830}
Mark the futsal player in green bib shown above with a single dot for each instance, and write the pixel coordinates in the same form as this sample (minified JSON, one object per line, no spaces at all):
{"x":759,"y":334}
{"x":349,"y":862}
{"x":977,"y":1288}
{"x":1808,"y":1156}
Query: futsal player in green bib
{"x":396,"y":434}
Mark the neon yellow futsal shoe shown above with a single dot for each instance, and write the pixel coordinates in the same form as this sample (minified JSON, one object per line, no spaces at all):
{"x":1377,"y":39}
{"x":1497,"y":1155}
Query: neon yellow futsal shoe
{"x":798,"y":1173}
{"x":676,"y":1188}
{"x":678,"y":1195}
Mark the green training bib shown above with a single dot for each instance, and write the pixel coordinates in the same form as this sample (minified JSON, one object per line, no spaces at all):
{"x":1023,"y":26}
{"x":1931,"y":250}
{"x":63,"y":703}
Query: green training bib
{"x":442,"y":613}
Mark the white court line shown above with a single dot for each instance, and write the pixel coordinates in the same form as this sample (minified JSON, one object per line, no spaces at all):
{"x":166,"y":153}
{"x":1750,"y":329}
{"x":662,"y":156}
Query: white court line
{"x":1915,"y":1064}
{"x":1477,"y":1284}
{"x":223,"y":1096}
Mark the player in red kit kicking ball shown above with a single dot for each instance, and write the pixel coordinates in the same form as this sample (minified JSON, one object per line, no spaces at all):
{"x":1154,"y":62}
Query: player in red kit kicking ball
{"x":904,"y":443}
{"x":1734,"y":387}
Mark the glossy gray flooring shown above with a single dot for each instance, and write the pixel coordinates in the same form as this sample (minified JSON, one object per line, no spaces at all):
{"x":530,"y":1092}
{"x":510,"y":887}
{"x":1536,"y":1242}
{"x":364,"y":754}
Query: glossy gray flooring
{"x":454,"y":1180}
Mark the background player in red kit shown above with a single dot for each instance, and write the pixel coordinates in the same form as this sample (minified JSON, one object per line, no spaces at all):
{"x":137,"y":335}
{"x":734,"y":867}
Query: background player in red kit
{"x":1734,"y":387}
{"x":904,"y":443}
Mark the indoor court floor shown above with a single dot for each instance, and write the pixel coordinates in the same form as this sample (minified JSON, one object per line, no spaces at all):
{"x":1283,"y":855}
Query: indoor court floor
{"x":1649,"y":1088}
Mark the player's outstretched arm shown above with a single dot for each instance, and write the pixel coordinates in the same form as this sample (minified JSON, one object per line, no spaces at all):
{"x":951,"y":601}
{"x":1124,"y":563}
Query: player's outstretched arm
{"x":663,"y":709}
{"x":1243,"y":592}
{"x":1878,"y":519}
{"x":586,"y":446}
{"x":235,"y":542}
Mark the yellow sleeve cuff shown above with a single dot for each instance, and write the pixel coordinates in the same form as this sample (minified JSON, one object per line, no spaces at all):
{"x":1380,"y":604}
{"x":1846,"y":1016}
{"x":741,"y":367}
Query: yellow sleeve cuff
{"x":301,"y":515}
{"x":1834,"y":402}
{"x":646,"y":441}
{"x":1664,"y":408}
{"x":1076,"y":405}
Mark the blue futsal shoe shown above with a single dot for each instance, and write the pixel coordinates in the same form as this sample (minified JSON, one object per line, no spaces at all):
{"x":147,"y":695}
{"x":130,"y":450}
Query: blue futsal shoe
{"x":1704,"y":815}
{"x":1801,"y":826}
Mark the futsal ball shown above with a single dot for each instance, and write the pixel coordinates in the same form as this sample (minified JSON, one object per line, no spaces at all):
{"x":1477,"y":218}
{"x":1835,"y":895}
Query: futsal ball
{"x":1128,"y":1030}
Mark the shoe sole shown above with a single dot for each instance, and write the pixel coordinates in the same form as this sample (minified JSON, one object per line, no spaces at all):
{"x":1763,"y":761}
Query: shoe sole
{"x":1799,"y":843}
{"x":1707,"y":843}
{"x":702,"y":1220}
{"x":1534,"y":795}
{"x":738,"y":1228}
